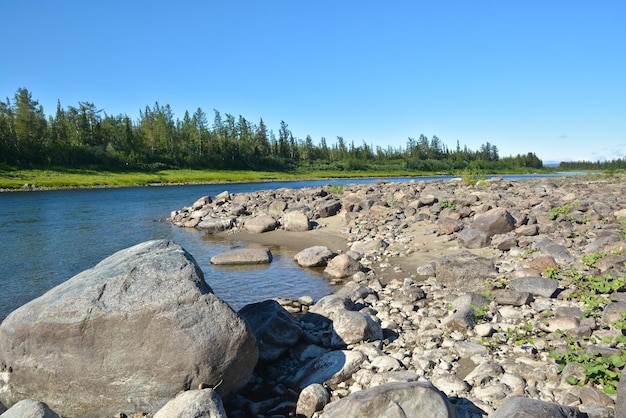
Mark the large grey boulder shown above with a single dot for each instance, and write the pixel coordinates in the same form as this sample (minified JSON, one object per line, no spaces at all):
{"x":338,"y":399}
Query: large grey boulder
{"x":260,"y":224}
{"x":29,"y":408}
{"x":342,"y":266}
{"x":199,"y":403}
{"x":538,"y":286}
{"x":215,"y":225}
{"x":125,"y":336}
{"x":473,"y":238}
{"x":274,"y":328}
{"x":243,"y":256}
{"x":396,"y":399}
{"x":296,"y":221}
{"x":316,"y":256}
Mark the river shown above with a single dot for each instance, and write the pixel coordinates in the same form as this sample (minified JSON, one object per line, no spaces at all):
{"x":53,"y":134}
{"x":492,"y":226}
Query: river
{"x":46,"y":237}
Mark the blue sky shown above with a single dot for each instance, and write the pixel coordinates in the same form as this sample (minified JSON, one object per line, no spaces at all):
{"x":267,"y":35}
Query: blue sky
{"x":529,"y":76}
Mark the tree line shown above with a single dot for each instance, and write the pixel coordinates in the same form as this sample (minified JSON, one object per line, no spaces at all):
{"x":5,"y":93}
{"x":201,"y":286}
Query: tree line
{"x":616,"y":164}
{"x":84,"y":135}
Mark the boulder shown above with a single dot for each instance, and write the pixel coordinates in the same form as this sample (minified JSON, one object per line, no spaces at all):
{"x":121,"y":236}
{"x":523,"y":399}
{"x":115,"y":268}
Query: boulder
{"x":556,"y":251}
{"x":329,"y":208}
{"x":296,"y":221}
{"x":215,"y":225}
{"x":465,"y":271}
{"x":243,"y":256}
{"x":316,"y":256}
{"x":125,"y":336}
{"x":396,"y":399}
{"x":537,"y":286}
{"x":29,"y":408}
{"x":313,"y":398}
{"x":448,"y":226}
{"x":521,"y":407}
{"x":494,"y":221}
{"x":194,"y":404}
{"x":620,"y":398}
{"x":332,"y":368}
{"x":342,"y":266}
{"x":274,"y":328}
{"x":260,"y":224}
{"x":473,"y":238}
{"x":371,"y":246}
{"x":351,"y":327}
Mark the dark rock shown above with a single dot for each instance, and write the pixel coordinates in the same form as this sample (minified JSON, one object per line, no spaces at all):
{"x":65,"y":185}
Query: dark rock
{"x":493,"y":222}
{"x":274,"y":328}
{"x":154,"y":294}
{"x":472,"y":238}
{"x":329,"y":208}
{"x":512,"y":297}
{"x":461,"y":320}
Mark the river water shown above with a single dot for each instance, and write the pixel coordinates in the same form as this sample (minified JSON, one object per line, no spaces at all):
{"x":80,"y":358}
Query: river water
{"x":47,"y":237}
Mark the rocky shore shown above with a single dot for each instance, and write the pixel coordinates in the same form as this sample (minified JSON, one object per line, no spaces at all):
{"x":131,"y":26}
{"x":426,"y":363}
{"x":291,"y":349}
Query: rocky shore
{"x":491,"y":299}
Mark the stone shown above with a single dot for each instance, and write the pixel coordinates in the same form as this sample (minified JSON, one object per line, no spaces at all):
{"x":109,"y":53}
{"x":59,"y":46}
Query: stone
{"x":562,"y":323}
{"x":512,"y":297}
{"x":139,"y":327}
{"x":527,"y":230}
{"x":521,"y":407}
{"x":464,"y":271}
{"x":296,"y":221}
{"x":274,"y":328}
{"x":448,"y":226}
{"x":215,"y":225}
{"x":537,"y":286}
{"x":473,"y":238}
{"x":493,"y":222}
{"x":560,"y":254}
{"x":260,"y":224}
{"x":395,"y":399}
{"x":613,"y":312}
{"x":542,"y":262}
{"x":316,"y":256}
{"x":312,"y":398}
{"x":194,"y":404}
{"x":461,"y":320}
{"x":29,"y":408}
{"x":243,"y":256}
{"x":342,"y":266}
{"x":329,"y":208}
{"x":331,"y":368}
{"x":372,"y":246}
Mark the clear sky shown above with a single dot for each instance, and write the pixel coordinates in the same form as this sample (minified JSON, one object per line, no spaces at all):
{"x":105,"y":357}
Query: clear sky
{"x":528,"y":76}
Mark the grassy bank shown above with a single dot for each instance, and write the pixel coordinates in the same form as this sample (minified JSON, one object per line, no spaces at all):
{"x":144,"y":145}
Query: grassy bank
{"x":29,"y":179}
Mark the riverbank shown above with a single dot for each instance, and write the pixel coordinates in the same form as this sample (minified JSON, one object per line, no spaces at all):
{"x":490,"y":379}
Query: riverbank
{"x":488,"y":291}
{"x":53,"y":179}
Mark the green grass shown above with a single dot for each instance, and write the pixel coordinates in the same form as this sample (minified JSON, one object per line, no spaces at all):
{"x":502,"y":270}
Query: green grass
{"x":25,"y":179}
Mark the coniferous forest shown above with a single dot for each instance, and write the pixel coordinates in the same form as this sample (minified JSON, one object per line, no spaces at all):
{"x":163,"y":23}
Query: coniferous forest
{"x":83,"y":135}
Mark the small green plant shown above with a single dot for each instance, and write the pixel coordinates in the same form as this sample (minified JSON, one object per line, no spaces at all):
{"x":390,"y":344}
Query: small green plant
{"x":334,"y":189}
{"x":528,"y":252}
{"x":445,"y":204}
{"x":473,"y":177}
{"x":560,"y":210}
{"x":480,"y":312}
{"x":552,"y":273}
{"x":598,"y":370}
{"x":591,"y":260}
